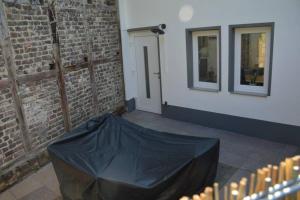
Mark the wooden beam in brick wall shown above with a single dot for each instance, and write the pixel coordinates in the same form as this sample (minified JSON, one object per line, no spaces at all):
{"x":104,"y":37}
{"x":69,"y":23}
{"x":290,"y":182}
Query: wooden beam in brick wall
{"x":62,"y":87}
{"x":10,"y":64}
{"x":36,"y":77}
{"x":76,"y":67}
{"x":106,"y":60}
{"x":93,"y":86}
{"x":58,"y":67}
{"x":91,"y":65}
{"x":8,"y":55}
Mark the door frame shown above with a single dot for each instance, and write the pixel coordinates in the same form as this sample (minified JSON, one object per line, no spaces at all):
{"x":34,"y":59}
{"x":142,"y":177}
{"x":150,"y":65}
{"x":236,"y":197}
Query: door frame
{"x":143,"y":32}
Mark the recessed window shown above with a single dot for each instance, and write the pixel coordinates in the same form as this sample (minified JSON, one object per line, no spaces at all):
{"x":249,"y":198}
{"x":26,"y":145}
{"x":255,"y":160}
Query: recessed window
{"x":250,"y":59}
{"x":203,"y":52}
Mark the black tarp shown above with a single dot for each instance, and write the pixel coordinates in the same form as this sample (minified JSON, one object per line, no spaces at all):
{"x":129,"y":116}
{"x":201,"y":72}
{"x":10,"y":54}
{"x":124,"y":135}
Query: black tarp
{"x":109,"y":158}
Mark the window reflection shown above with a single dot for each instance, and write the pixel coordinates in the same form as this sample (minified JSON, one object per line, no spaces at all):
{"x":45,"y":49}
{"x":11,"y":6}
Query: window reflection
{"x":253,"y":55}
{"x":207,"y":50}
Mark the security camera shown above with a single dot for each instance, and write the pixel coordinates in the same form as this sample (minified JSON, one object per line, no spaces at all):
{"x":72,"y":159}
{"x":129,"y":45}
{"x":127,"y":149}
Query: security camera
{"x":162,"y":26}
{"x":159,"y":29}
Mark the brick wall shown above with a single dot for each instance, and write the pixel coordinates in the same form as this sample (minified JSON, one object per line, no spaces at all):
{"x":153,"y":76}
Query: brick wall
{"x":3,"y":71}
{"x":41,"y":103}
{"x":54,"y":86}
{"x":11,"y":145}
{"x":72,"y":32}
{"x":109,"y":85}
{"x":79,"y":95}
{"x":103,"y":26}
{"x":30,"y":34}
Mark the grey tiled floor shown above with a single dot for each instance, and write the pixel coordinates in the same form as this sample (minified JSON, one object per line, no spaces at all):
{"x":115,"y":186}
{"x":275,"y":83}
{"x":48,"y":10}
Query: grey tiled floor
{"x":242,"y":152}
{"x":42,"y":185}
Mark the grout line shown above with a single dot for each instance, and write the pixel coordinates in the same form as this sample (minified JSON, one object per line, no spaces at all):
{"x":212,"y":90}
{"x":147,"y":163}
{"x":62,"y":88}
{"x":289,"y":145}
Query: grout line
{"x":12,"y":194}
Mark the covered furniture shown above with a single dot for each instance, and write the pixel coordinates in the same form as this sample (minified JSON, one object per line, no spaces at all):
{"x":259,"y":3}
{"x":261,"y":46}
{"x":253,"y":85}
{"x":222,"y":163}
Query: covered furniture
{"x":109,"y":158}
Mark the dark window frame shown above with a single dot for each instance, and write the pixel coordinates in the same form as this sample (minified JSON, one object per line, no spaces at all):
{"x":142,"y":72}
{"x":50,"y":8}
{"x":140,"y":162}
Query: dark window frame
{"x":189,"y":57}
{"x":231,"y":51}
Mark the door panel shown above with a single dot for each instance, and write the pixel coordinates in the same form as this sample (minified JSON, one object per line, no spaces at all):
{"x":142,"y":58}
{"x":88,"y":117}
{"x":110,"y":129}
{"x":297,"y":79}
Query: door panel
{"x":148,"y":73}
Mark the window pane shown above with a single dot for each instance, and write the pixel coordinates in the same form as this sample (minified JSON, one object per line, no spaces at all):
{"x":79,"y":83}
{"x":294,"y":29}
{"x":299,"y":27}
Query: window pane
{"x":207,"y":50}
{"x":253,"y":55}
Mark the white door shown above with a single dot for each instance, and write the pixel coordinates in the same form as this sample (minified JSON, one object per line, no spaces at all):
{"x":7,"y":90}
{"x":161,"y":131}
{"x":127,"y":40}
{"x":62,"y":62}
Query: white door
{"x":148,"y":73}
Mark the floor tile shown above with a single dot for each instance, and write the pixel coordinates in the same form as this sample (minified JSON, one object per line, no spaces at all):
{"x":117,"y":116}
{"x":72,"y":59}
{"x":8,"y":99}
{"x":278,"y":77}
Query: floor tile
{"x":25,"y":187}
{"x":47,"y":177}
{"x":42,"y":193}
{"x":7,"y":195}
{"x":45,"y":174}
{"x":224,"y":173}
{"x":238,"y":175}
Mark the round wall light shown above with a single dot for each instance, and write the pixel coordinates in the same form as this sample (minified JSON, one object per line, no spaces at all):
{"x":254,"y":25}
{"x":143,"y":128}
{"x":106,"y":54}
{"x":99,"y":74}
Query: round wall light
{"x":186,"y":13}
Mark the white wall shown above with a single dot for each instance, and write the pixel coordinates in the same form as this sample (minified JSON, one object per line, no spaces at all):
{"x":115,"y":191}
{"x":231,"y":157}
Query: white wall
{"x":282,"y":106}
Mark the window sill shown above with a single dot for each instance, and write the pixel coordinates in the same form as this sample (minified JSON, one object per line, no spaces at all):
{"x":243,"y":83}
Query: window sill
{"x":250,"y":93}
{"x":204,"y":89}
